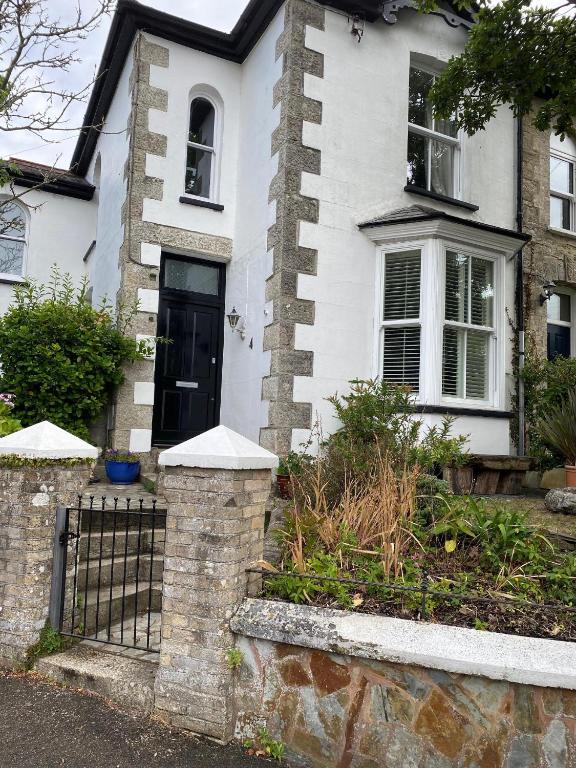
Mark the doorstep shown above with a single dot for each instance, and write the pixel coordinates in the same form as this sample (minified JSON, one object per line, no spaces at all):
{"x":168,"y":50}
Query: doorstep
{"x":120,"y":678}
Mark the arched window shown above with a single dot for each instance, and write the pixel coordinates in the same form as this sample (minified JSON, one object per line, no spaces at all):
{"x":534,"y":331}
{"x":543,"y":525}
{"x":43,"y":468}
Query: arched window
{"x":12,"y":238}
{"x":200,"y":157}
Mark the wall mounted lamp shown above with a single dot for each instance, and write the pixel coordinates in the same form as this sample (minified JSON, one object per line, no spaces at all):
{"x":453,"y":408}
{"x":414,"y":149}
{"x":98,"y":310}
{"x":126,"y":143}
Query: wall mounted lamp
{"x":548,"y":290}
{"x":357,"y":25}
{"x":234,"y":319}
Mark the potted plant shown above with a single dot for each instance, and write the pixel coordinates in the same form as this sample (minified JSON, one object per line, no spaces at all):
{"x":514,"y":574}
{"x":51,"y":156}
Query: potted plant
{"x":122,"y":467}
{"x":289,"y":465}
{"x":558,"y":431}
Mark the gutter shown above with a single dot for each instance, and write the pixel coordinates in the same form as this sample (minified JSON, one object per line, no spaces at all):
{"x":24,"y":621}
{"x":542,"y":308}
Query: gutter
{"x":520,"y":318}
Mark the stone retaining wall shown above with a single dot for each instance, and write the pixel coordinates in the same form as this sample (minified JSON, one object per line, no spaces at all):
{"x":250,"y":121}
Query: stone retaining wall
{"x":338,"y":710}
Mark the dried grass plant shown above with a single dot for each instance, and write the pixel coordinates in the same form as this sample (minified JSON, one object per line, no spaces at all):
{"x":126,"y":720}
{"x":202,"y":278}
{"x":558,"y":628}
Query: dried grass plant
{"x":377,"y":508}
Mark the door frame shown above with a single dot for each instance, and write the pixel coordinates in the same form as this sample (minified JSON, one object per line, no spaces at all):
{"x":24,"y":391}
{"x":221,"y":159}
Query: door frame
{"x":198,"y":299}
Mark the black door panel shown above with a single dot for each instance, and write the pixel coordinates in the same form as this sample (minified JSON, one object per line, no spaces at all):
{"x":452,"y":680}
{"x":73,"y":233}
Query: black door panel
{"x":188,"y":367}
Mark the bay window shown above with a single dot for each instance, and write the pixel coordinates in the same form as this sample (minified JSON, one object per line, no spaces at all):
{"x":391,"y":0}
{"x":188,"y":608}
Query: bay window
{"x":433,"y":146}
{"x":440,"y":321}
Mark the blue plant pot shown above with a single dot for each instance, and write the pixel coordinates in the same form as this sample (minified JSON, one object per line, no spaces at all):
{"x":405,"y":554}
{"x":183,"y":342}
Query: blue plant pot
{"x":122,"y":472}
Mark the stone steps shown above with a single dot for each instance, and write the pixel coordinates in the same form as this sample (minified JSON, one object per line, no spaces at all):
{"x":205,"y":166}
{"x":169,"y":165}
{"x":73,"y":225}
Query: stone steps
{"x":118,"y":539}
{"x":127,"y":681}
{"x":116,"y":575}
{"x":123,"y":603}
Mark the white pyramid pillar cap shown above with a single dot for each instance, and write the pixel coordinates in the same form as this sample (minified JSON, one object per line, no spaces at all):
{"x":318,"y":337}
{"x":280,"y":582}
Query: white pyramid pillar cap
{"x":46,"y":441}
{"x":219,"y":448}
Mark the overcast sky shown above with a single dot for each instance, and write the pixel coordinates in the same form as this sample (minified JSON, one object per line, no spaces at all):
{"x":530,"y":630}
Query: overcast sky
{"x":220,"y":14}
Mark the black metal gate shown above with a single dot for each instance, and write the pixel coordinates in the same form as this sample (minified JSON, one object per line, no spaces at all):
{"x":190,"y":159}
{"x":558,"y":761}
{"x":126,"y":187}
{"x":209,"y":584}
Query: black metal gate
{"x":107,"y":572}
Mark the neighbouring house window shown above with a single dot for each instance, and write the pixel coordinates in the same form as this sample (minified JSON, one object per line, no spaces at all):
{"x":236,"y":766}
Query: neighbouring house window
{"x":468,"y":326}
{"x":200,"y":156}
{"x":562,"y":192}
{"x":400,"y":327}
{"x":433,"y":146}
{"x":12,"y":238}
{"x":559,"y":311}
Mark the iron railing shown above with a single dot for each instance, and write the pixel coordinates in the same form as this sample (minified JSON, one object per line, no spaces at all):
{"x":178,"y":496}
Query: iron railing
{"x":108,"y":565}
{"x":384,"y":591}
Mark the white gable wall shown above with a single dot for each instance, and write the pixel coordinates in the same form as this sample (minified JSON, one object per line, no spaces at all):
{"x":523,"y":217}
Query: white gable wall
{"x":112,"y":147}
{"x":363,"y":140}
{"x":244,"y":366}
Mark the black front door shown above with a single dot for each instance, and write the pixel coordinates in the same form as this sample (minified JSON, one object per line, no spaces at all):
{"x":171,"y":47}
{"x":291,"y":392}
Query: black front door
{"x":189,"y":365}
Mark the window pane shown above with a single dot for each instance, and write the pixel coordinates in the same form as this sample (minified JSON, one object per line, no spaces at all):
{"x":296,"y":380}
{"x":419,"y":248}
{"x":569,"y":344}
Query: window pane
{"x":561,"y":175}
{"x":442,"y":169}
{"x":453,"y":354}
{"x":457,"y":275}
{"x":12,"y":220}
{"x":402,"y":285}
{"x":416,"y":173}
{"x":558,"y":307}
{"x":201,"y":123}
{"x":446,"y":126}
{"x":419,"y":110}
{"x":558,"y":341}
{"x":477,"y":347}
{"x":465,"y":363}
{"x":560,"y":213}
{"x":402,"y":356}
{"x":198,"y":172}
{"x":482,"y":291}
{"x":11,"y":256}
{"x":191,"y":276}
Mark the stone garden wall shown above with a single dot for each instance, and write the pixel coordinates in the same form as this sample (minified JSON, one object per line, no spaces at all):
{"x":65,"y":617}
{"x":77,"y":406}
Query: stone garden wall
{"x":338,"y":710}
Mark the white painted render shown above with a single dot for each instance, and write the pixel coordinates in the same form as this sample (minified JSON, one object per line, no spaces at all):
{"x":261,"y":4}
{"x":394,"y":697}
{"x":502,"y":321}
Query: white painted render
{"x":46,"y":441}
{"x":219,"y":448}
{"x":60,"y":230}
{"x":112,"y":149}
{"x":243,"y":96}
{"x":245,"y":364}
{"x":363,"y":140}
{"x":193,"y":73}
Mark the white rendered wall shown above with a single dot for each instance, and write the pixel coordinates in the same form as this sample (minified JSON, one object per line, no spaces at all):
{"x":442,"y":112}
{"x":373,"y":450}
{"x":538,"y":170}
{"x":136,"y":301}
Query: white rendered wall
{"x":363,"y":140}
{"x":247,"y":122}
{"x":60,"y":230}
{"x":486,"y":435}
{"x":244,"y":367}
{"x":112,"y":147}
{"x":189,"y":69}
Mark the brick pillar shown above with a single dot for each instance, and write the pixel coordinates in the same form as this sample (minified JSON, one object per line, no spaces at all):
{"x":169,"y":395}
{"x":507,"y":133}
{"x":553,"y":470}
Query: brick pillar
{"x":31,"y":487}
{"x":216,"y":486}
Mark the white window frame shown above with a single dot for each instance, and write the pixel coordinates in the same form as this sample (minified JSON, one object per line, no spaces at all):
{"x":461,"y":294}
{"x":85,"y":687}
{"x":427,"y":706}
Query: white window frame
{"x":492,"y":332}
{"x":432,"y":321}
{"x":567,"y":323}
{"x":10,"y":277}
{"x":215,"y":150}
{"x":410,"y":322}
{"x":454,"y":141}
{"x":571,"y":197}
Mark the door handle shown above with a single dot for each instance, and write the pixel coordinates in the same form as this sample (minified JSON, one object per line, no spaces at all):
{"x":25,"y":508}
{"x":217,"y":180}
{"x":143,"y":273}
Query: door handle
{"x":187,"y":384}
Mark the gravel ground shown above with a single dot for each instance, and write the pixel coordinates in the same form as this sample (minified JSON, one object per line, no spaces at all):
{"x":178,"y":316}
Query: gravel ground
{"x":45,"y":726}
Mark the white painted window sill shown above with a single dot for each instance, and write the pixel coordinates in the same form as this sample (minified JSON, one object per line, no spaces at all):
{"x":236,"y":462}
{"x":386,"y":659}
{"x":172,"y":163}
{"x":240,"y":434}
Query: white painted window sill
{"x":525,"y":660}
{"x":563,"y":232}
{"x":5,"y":277}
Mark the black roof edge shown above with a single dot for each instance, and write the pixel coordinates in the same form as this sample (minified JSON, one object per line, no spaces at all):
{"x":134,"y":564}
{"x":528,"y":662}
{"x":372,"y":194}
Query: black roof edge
{"x":64,"y":185}
{"x":455,"y":219}
{"x":131,"y":16}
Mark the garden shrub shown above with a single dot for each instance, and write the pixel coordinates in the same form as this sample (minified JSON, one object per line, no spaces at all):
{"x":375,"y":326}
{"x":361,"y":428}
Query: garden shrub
{"x":61,"y":357}
{"x":8,"y":422}
{"x":547,"y":383}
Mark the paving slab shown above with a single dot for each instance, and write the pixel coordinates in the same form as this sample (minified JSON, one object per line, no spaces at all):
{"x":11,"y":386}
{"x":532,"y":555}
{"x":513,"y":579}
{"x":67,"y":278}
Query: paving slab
{"x":46,"y":726}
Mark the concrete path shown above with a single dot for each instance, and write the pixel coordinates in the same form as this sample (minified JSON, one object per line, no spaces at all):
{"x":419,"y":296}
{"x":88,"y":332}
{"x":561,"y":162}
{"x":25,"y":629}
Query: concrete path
{"x":45,"y":726}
